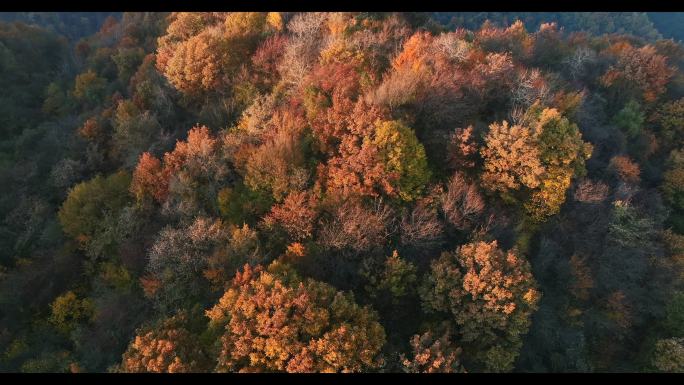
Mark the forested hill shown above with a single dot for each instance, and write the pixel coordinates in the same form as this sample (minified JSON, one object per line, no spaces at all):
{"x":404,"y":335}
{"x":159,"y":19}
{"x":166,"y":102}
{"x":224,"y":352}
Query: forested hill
{"x":669,"y":24}
{"x":341,"y":192}
{"x":73,"y":25}
{"x":651,"y":25}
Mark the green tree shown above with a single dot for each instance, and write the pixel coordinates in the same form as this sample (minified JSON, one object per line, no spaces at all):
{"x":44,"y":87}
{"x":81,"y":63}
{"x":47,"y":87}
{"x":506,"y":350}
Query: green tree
{"x":404,"y":155}
{"x":398,"y":278}
{"x":89,"y":205}
{"x":90,"y":88}
{"x":630,"y":119}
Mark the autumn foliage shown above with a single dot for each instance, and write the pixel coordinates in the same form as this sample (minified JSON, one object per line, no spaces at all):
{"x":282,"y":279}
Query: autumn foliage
{"x":341,"y":192}
{"x":273,"y":321}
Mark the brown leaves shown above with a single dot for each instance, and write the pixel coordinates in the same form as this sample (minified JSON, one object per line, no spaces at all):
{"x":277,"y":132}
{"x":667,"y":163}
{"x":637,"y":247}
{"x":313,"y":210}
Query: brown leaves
{"x":641,"y":66}
{"x":462,"y":203}
{"x":357,"y":227}
{"x":421,"y":227}
{"x":296,"y":215}
{"x":626,"y":170}
{"x":591,"y":191}
{"x":148,"y":179}
{"x":461,"y":149}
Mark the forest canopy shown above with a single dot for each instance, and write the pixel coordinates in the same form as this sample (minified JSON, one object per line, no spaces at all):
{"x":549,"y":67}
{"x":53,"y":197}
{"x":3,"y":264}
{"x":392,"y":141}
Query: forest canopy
{"x":341,"y":192}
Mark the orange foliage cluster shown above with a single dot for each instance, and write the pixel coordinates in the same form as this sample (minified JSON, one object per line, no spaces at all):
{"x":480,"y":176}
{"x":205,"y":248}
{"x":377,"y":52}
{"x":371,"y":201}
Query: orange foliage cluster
{"x":483,"y":288}
{"x":151,"y":179}
{"x":511,"y":158}
{"x":272,"y":321}
{"x":642,"y":66}
{"x":462,"y":149}
{"x":432,"y":355}
{"x":169,"y":348}
{"x":625,"y":169}
{"x":296,"y":214}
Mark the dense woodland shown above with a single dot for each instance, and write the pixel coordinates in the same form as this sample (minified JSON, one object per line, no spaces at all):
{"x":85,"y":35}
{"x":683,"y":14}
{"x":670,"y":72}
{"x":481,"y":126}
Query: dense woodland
{"x":341,"y":192}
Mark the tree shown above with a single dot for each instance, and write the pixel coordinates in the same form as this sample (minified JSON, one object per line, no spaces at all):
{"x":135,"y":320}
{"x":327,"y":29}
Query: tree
{"x":670,"y":119}
{"x":513,"y":39}
{"x":673,"y":322}
{"x":267,"y":57}
{"x":489,"y":294}
{"x":669,"y":355}
{"x":55,"y":100}
{"x":542,"y":158}
{"x":398,"y":278}
{"x":244,"y":247}
{"x":278,"y":166}
{"x":548,"y":199}
{"x":30,"y":59}
{"x":240,"y":204}
{"x":630,"y":119}
{"x":196,"y":171}
{"x":272,"y":320}
{"x":511,"y":158}
{"x":462,"y":203}
{"x":563,"y":154}
{"x":421,"y":228}
{"x":68,"y":311}
{"x":148,"y":181}
{"x":560,"y":141}
{"x":90,"y":203}
{"x":404,"y":155}
{"x":296,"y":215}
{"x":169,"y":346}
{"x":462,"y":149}
{"x":195,"y":66}
{"x":89,"y":87}
{"x":357,"y":227}
{"x":627,"y":282}
{"x":433,"y":355}
{"x":127,"y":61}
{"x":201,"y":52}
{"x":642,"y":68}
{"x":134,"y":131}
{"x":344,"y":131}
{"x":178,"y":259}
{"x":673,"y":187}
{"x":591,"y":191}
{"x":625,"y":169}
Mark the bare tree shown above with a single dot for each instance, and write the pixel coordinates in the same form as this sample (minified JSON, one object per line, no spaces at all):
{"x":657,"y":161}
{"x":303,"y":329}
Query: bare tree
{"x":462,"y":203}
{"x":421,"y":226}
{"x":357,"y":227}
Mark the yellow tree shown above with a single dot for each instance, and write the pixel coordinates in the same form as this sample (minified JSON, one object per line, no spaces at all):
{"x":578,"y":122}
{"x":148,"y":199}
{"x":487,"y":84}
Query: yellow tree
{"x":540,"y":156}
{"x":202,"y":51}
{"x":511,"y":158}
{"x":563,"y":154}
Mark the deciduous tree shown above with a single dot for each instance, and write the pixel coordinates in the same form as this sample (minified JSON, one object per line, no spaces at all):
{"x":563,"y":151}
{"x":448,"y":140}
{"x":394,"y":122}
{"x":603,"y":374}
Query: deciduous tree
{"x":272,"y":320}
{"x":488,"y":293}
